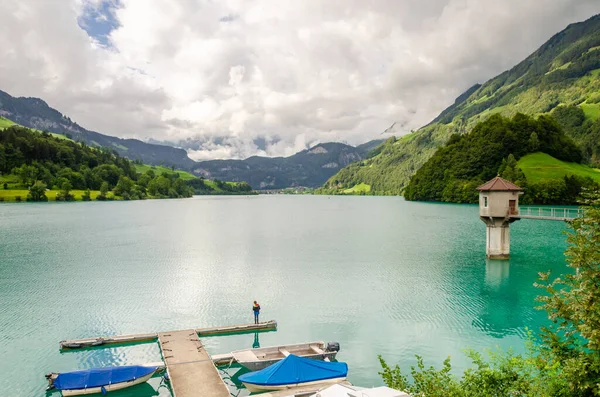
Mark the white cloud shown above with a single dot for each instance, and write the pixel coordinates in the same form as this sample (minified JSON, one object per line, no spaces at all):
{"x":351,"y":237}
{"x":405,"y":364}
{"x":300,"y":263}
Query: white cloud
{"x":222,"y":74}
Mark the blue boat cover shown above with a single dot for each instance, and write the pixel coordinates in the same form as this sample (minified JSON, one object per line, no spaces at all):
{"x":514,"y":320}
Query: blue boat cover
{"x":97,"y":377}
{"x":294,"y":369}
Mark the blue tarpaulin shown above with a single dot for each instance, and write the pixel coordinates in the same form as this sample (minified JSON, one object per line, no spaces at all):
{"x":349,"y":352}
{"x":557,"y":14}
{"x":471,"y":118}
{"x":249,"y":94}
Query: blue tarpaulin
{"x":293,"y":370}
{"x":98,"y":377}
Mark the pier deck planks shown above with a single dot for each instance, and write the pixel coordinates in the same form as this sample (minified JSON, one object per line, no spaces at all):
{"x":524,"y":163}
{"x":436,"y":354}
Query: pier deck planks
{"x":190,"y":368}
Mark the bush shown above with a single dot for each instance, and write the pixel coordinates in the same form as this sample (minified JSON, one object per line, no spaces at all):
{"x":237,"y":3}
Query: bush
{"x":62,"y":196}
{"x":18,"y":199}
{"x":37,"y":192}
{"x":86,"y":196}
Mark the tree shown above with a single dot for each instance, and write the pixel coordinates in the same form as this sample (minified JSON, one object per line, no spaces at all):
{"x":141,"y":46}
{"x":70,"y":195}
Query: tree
{"x":573,"y":305}
{"x":153,"y":187}
{"x":65,"y":190}
{"x":86,"y":196}
{"x":534,"y":142}
{"x":143,"y":180}
{"x":5,"y":186}
{"x":103,"y":191}
{"x":27,"y":174}
{"x":37,"y":192}
{"x":509,"y":170}
{"x":163,"y":185}
{"x":124,"y":186}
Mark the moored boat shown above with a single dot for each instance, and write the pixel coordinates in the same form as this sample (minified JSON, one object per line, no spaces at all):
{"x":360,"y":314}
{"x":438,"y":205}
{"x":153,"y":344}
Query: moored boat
{"x":100,"y":380}
{"x":262,"y":357}
{"x":294,"y":371}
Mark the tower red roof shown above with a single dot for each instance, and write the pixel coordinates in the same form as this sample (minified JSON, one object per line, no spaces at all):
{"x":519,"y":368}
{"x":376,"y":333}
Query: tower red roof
{"x":499,"y":185}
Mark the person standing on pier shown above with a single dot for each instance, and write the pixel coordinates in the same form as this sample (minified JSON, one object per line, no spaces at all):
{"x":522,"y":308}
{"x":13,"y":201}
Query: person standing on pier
{"x":256,"y":310}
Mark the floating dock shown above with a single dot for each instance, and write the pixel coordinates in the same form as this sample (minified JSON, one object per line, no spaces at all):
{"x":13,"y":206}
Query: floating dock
{"x":189,"y":366}
{"x":152,"y":337}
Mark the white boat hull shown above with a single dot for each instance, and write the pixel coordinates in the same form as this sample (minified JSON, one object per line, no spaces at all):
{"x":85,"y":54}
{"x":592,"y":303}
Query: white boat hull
{"x":253,"y":388}
{"x":258,"y":365}
{"x":261,"y":358}
{"x":108,"y":388}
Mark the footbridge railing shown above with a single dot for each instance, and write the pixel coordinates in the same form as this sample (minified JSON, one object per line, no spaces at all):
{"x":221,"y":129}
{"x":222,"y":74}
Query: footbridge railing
{"x":548,"y":213}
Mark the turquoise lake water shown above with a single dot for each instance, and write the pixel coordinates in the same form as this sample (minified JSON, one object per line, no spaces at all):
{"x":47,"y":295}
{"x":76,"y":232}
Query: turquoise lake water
{"x":377,"y":274}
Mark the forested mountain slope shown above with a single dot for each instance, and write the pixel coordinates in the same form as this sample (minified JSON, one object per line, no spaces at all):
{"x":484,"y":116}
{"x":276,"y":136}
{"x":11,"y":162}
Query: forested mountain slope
{"x":35,"y":113}
{"x":564,"y":71}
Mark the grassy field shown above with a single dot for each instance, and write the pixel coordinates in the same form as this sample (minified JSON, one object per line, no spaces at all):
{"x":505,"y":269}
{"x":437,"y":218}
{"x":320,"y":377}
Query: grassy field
{"x":591,"y":110}
{"x":360,"y":188}
{"x":11,"y":195}
{"x":5,"y":123}
{"x":538,"y":166}
{"x":159,"y":169}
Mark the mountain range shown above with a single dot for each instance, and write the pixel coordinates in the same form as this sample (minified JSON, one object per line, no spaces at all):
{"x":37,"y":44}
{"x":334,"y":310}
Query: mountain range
{"x":308,"y":168}
{"x":564,"y":73}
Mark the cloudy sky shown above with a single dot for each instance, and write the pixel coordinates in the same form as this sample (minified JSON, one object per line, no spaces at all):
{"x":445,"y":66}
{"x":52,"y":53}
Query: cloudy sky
{"x":234,"y":78}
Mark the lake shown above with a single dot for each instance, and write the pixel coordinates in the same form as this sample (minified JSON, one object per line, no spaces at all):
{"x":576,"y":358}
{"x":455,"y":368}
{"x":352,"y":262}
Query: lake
{"x":377,"y":274}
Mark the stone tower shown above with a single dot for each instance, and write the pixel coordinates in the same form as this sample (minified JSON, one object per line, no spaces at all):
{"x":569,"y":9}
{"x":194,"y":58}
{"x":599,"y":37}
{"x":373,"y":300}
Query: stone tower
{"x":498,"y":208}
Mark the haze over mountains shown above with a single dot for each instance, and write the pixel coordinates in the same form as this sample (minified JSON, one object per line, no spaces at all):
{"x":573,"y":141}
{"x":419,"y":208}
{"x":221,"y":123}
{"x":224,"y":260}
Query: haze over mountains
{"x":308,"y":168}
{"x":564,"y":72}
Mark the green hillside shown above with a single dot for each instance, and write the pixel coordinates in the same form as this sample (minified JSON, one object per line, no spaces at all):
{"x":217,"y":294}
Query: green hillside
{"x":5,"y":123}
{"x":159,"y":169}
{"x":548,"y":166}
{"x":37,"y":166}
{"x":540,"y":166}
{"x":564,"y":71}
{"x":453,"y":173}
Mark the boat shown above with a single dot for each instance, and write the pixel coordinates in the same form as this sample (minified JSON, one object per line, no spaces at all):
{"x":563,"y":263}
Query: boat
{"x":100,"y":380}
{"x":343,"y":389}
{"x":262,"y":357}
{"x":294,"y":371}
{"x":339,"y":390}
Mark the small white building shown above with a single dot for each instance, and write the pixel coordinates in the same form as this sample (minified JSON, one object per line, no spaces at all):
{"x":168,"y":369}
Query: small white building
{"x":498,"y":208}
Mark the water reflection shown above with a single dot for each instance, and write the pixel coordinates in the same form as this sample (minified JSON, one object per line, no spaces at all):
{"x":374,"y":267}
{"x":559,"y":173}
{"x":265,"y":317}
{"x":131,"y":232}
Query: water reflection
{"x":230,"y":375}
{"x":497,"y":297}
{"x":496,"y":272}
{"x":502,"y":314}
{"x":507,"y":293}
{"x":256,"y":343}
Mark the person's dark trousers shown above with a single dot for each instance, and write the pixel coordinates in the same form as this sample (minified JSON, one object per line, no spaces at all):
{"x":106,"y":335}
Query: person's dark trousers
{"x":255,"y":317}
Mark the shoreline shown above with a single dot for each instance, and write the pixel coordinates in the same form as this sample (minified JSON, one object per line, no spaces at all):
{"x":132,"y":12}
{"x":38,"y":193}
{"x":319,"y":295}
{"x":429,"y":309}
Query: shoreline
{"x":20,"y":196}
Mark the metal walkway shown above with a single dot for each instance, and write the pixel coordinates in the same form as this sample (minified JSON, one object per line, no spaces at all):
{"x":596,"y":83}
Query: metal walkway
{"x":548,"y":213}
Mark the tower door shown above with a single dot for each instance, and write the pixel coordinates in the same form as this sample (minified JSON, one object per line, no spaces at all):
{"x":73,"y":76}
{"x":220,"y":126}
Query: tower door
{"x":512,"y":207}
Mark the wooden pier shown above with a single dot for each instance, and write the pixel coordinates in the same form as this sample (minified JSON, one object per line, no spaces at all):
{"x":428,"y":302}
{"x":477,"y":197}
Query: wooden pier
{"x":189,"y":366}
{"x":152,"y":337}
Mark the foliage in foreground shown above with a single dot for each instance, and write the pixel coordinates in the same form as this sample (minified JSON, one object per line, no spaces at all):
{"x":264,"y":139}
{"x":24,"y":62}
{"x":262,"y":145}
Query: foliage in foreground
{"x":565,"y":359}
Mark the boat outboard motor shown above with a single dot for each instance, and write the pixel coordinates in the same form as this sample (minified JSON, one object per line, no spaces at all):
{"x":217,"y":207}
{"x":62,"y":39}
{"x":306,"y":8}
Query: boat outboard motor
{"x":333,"y":347}
{"x":51,"y":377}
